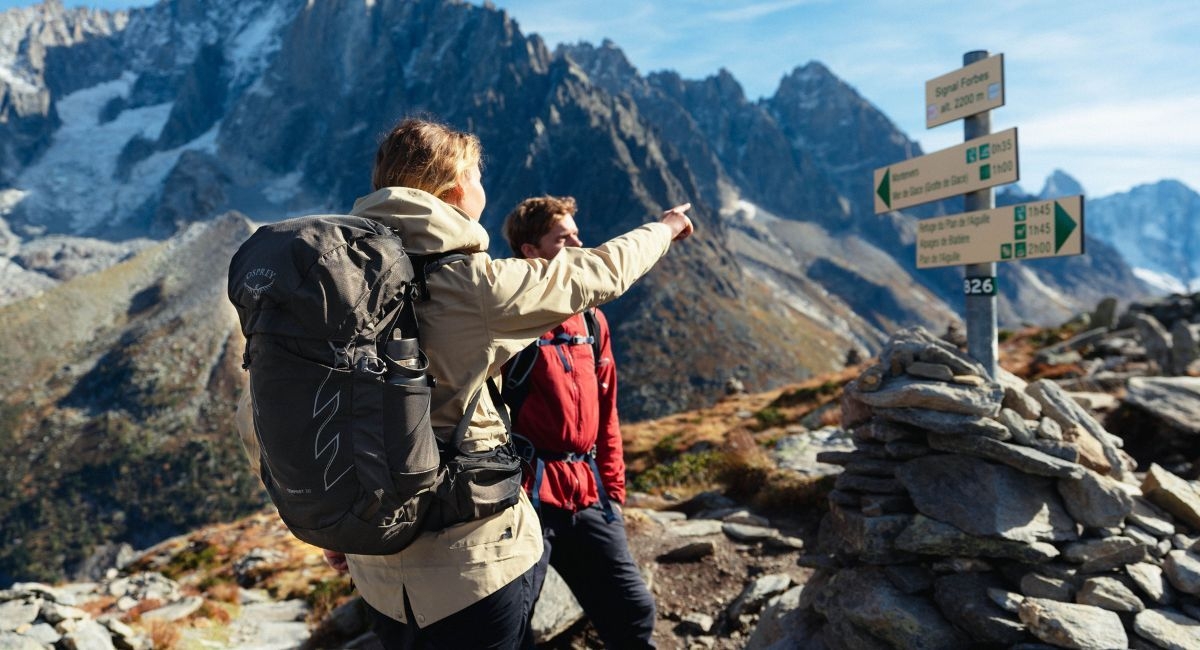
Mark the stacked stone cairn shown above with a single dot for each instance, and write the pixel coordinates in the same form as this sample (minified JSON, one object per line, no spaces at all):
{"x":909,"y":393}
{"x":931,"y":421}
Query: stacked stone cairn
{"x":975,"y":513}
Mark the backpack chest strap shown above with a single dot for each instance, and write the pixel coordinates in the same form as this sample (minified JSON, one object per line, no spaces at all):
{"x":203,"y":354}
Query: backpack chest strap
{"x":563,"y":338}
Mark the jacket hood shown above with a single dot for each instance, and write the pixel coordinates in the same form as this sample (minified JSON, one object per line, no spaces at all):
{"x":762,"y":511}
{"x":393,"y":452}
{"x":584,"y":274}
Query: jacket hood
{"x":426,"y":223}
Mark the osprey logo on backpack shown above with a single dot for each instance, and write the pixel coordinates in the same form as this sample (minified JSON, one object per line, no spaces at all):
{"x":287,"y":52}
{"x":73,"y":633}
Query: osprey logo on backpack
{"x":258,"y":281}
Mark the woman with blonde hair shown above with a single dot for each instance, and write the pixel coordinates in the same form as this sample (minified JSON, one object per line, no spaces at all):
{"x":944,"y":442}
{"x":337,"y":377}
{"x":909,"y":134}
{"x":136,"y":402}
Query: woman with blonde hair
{"x":469,"y":585}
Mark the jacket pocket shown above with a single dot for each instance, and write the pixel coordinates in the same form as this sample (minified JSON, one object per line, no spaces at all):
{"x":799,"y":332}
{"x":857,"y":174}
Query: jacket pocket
{"x":495,"y":530}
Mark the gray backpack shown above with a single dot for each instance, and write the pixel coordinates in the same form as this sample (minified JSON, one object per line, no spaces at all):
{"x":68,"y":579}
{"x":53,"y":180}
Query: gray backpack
{"x":340,"y":393}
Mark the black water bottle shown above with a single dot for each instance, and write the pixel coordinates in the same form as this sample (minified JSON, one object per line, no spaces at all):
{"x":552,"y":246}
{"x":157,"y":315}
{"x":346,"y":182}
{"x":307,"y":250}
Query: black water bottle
{"x":406,"y":363}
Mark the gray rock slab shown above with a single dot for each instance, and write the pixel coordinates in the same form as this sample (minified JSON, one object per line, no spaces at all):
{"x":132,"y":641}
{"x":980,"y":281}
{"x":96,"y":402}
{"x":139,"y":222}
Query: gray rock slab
{"x":925,"y":370}
{"x":883,"y":431}
{"x":1036,"y":585}
{"x":1109,"y":593}
{"x":696,"y":623}
{"x":1021,"y":432}
{"x":872,"y":539}
{"x":876,"y":505}
{"x":917,"y":344}
{"x":1024,"y":459}
{"x":931,"y":537}
{"x":1105,"y":314}
{"x":1006,"y":600}
{"x":46,"y":592}
{"x":1176,"y":400}
{"x":755,"y":594}
{"x":556,"y":609}
{"x":1172,"y":494}
{"x":283,"y":610}
{"x":1089,"y":549}
{"x":1048,"y":429}
{"x":1142,"y":536}
{"x":963,"y":598}
{"x":1168,"y":629}
{"x":43,"y":633}
{"x":781,"y":623}
{"x":694,"y":528}
{"x":1151,"y":518}
{"x":1150,"y":579}
{"x":910,"y":392}
{"x":1131,"y":555}
{"x":798,"y":452}
{"x":869,"y":484}
{"x":784,"y":543}
{"x":1058,"y":405}
{"x":1095,"y":501}
{"x":16,"y":613}
{"x":987,"y":499}
{"x":866,"y":466}
{"x":949,"y":423}
{"x":692,"y":552}
{"x":14,"y":641}
{"x":175,"y":611}
{"x":905,"y":449}
{"x":56,"y":612}
{"x":87,"y":635}
{"x":743,"y":516}
{"x":865,"y":598}
{"x":747,"y":533}
{"x":1156,"y":339}
{"x":664,"y":517}
{"x":1071,"y":625}
{"x":1183,"y":571}
{"x":909,"y":578}
{"x":1017,"y":399}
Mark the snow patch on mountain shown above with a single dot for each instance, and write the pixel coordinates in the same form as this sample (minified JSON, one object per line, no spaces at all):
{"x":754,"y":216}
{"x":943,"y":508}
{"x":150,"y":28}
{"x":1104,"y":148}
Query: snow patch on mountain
{"x":253,"y":47}
{"x":75,"y":175}
{"x":1165,"y":282}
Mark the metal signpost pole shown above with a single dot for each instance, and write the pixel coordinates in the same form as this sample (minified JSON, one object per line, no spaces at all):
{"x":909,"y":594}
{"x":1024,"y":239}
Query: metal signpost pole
{"x":981,"y":307}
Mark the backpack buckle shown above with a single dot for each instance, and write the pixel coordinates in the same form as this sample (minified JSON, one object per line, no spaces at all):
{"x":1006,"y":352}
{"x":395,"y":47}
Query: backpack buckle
{"x":341,"y":356}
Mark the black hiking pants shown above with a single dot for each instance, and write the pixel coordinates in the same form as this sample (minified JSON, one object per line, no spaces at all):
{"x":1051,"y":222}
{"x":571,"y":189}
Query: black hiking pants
{"x":498,"y":622}
{"x":593,"y":558}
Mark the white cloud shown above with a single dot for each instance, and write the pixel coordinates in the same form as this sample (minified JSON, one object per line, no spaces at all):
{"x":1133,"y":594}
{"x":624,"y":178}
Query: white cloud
{"x":754,"y":10}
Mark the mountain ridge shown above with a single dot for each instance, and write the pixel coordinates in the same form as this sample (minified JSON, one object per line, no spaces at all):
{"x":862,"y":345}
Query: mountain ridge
{"x":788,"y":275}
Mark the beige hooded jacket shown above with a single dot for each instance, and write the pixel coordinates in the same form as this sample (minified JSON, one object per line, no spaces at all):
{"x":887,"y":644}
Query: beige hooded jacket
{"x":481,"y":313}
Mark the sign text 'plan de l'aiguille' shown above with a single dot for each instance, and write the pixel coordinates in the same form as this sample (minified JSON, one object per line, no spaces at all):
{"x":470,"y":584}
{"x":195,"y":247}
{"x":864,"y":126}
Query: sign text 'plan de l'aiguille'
{"x":1050,"y":228}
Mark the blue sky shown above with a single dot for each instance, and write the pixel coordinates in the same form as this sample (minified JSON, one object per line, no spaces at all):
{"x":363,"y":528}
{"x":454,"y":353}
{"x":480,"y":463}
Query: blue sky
{"x":1107,"y":91}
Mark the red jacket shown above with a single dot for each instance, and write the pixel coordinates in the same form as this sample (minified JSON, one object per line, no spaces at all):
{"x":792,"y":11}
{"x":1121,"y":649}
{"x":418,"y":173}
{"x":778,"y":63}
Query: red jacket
{"x":571,"y":406}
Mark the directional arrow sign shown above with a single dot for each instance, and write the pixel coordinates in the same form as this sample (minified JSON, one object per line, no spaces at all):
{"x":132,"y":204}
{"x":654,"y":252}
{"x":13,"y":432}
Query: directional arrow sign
{"x":973,"y":165}
{"x":969,"y":90}
{"x":1028,"y":231}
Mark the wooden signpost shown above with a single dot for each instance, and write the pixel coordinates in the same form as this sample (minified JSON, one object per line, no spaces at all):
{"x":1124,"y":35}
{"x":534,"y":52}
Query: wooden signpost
{"x":983,"y":235}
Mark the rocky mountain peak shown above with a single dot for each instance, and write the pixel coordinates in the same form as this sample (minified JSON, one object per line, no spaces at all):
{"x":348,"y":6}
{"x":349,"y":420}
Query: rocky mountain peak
{"x":1060,"y":183}
{"x":605,"y":65}
{"x":1155,"y":228}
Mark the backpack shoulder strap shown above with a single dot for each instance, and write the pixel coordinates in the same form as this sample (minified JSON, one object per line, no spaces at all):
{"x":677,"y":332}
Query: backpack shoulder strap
{"x":424,"y":265}
{"x":593,"y":330}
{"x":516,"y":379}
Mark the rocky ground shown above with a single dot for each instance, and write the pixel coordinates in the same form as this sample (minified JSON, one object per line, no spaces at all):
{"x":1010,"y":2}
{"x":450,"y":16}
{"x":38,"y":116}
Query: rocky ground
{"x":726,"y":504}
